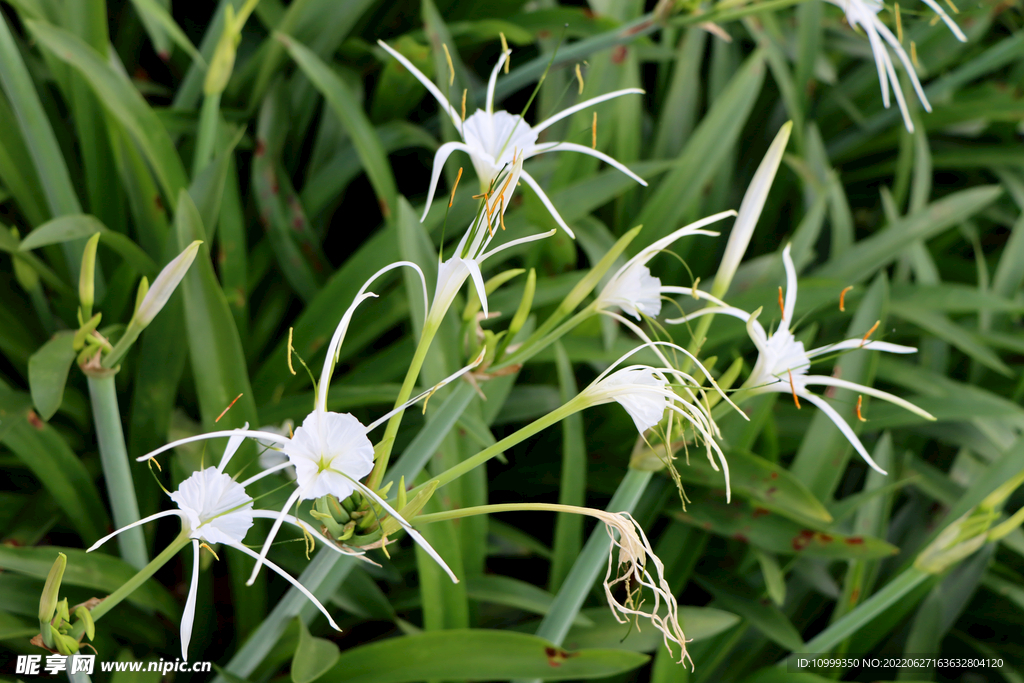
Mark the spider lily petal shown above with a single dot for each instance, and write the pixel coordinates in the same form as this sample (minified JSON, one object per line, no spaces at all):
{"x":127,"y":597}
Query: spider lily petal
{"x":843,"y":426}
{"x":189,"y":615}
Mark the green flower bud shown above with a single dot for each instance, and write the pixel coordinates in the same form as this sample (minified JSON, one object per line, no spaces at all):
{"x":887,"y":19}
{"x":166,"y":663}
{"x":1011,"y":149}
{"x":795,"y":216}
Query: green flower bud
{"x":48,"y":600}
{"x":86,"y":279}
{"x":163,"y":286}
{"x":85,"y":616}
{"x":223,"y":61}
{"x":141,"y":295}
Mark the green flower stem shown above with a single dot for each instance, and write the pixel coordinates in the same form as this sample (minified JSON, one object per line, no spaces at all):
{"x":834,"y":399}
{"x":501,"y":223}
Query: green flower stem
{"x":131,"y":333}
{"x":430,"y":328}
{"x":209,"y":117}
{"x":129,"y":586}
{"x":541,"y":339}
{"x":116,"y":471}
{"x":538,"y":425}
{"x":493,"y":509}
{"x":845,"y":627}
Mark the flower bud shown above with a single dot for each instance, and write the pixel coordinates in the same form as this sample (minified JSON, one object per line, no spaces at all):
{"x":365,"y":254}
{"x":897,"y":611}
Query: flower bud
{"x":164,"y":285}
{"x":141,"y":295}
{"x":86,"y":284}
{"x":223,"y":61}
{"x":48,"y":600}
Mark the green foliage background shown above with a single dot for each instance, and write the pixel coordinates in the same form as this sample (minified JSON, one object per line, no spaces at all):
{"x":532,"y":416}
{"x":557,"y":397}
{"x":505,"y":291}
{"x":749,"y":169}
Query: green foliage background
{"x":318,"y":145}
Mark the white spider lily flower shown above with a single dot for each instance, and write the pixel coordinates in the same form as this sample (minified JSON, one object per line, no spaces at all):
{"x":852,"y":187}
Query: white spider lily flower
{"x":864,"y":13}
{"x":645,"y":393}
{"x":214,"y":508}
{"x":634,"y":290}
{"x":331,"y":451}
{"x":783,"y":362}
{"x":491,"y":138}
{"x":471,"y":251}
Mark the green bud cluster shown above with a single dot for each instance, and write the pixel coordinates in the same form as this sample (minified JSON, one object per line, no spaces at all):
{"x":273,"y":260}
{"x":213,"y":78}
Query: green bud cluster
{"x":55,"y":625}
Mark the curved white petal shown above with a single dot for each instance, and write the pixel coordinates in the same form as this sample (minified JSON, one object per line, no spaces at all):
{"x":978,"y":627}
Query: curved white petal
{"x":229,"y":451}
{"x":144,"y":520}
{"x":843,"y":427}
{"x":290,"y":579}
{"x":711,"y":310}
{"x":515,"y":243}
{"x":583,"y":105}
{"x":266,"y":473}
{"x":908,"y":65}
{"x":699,"y":294}
{"x":791,"y":287}
{"x":188,"y":617}
{"x":295,"y":521}
{"x":251,"y":433}
{"x":648,"y":252}
{"x":547,"y":203}
{"x":416,"y":536}
{"x":427,"y":83}
{"x":870,"y":391}
{"x":493,"y":80}
{"x":262,"y":557}
{"x":441,"y":156}
{"x":880,"y":55}
{"x":582,"y":149}
{"x":412,"y":401}
{"x":901,"y":102}
{"x":947,"y":19}
{"x":870,"y":345}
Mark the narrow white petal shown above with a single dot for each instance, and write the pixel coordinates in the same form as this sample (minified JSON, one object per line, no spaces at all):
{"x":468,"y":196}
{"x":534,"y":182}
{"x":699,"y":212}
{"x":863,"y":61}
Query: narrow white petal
{"x":583,"y":105}
{"x":189,"y":615}
{"x":493,"y":80}
{"x":789,"y":306}
{"x":516,"y":242}
{"x":648,"y":252}
{"x":412,"y":401}
{"x":440,"y":156}
{"x":870,"y":345}
{"x":948,"y":20}
{"x":262,"y":557}
{"x":901,"y":102}
{"x":881,"y":56}
{"x":266,"y":473}
{"x":907,"y":64}
{"x":292,"y":580}
{"x":295,"y":521}
{"x":251,"y":433}
{"x":870,"y":391}
{"x":699,"y":294}
{"x":711,"y":310}
{"x":582,"y":149}
{"x":144,"y":520}
{"x":233,"y":444}
{"x":547,"y":203}
{"x":843,"y":427}
{"x":416,"y":536}
{"x":427,"y":83}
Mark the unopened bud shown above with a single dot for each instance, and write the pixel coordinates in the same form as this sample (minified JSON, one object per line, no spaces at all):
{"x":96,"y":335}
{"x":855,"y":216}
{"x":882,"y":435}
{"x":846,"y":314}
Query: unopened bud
{"x":164,"y":285}
{"x":86,"y":284}
{"x":48,"y":600}
{"x":141,"y":295}
{"x":223,"y":61}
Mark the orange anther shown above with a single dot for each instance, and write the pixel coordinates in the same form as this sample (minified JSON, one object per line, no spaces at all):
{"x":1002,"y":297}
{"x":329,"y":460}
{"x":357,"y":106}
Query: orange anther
{"x":227,"y":409}
{"x":792,"y":387}
{"x":458,"y":177}
{"x":873,"y":328}
{"x":782,"y":303}
{"x":860,"y":400}
{"x":842,"y":298}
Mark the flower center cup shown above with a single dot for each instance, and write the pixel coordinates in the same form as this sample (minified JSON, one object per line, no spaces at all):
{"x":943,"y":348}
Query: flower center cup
{"x":493,"y":138}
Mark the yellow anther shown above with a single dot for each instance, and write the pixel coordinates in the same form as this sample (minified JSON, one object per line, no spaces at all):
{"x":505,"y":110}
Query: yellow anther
{"x":899,"y":24}
{"x":579,"y":77}
{"x":860,"y":400}
{"x":504,"y":48}
{"x":693,"y":289}
{"x":204,"y":545}
{"x":451,"y":67}
{"x":464,"y":91}
{"x":952,"y":7}
{"x":913,"y":54}
{"x":290,"y":347}
{"x":593,"y":132}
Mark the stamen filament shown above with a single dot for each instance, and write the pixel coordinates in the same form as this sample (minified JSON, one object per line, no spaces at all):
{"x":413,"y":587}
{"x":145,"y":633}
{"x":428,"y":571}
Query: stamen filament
{"x":451,"y":66}
{"x":504,"y":48}
{"x":899,"y":25}
{"x":593,"y":132}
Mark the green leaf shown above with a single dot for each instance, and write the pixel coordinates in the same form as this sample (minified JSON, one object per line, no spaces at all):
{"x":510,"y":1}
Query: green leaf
{"x":699,"y":623}
{"x":48,"y":373}
{"x":76,"y":226}
{"x":96,"y":571}
{"x":740,"y":598}
{"x":475,"y":654}
{"x":346,"y":106}
{"x":153,"y":13}
{"x":942,"y":327}
{"x":121,"y":99}
{"x":313,"y":656}
{"x":505,"y":590}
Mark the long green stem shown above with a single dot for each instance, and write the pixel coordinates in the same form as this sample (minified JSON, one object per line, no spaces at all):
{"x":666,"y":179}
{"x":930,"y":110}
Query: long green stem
{"x":538,"y":342}
{"x":129,"y":586}
{"x":492,"y":451}
{"x":209,"y":117}
{"x":459,"y":513}
{"x":116,"y":470}
{"x":430,"y":328}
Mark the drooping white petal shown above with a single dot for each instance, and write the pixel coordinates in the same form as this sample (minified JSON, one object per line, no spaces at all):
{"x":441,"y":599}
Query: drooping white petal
{"x":573,"y":147}
{"x":144,"y":520}
{"x":446,"y":105}
{"x":415,"y":535}
{"x":548,"y":204}
{"x":441,"y":156}
{"x":493,"y":80}
{"x":234,"y":442}
{"x":947,"y":19}
{"x":711,"y":310}
{"x":262,"y":557}
{"x":790,"y":303}
{"x":870,"y":391}
{"x":583,"y":105}
{"x":290,"y":579}
{"x":845,"y":428}
{"x":188,"y":617}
